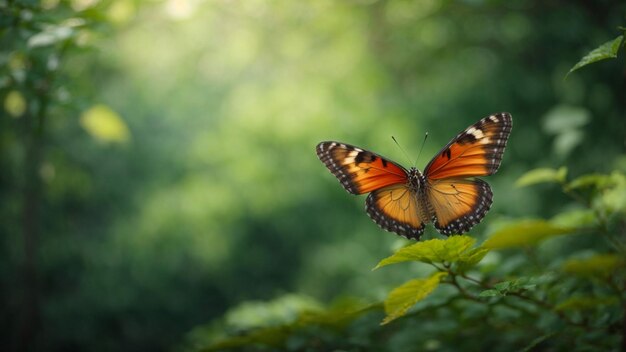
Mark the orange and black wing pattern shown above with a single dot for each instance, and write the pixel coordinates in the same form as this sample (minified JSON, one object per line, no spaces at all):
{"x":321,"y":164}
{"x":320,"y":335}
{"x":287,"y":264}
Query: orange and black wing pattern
{"x":447,"y":194}
{"x":477,"y":151}
{"x":396,"y":209}
{"x":458,"y":204}
{"x":358,"y":170}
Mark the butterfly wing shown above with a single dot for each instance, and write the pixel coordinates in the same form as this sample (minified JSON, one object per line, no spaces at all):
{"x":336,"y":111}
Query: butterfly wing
{"x":455,"y":202}
{"x":477,"y":151}
{"x":358,"y":170}
{"x":458,"y":204}
{"x":396,"y":208}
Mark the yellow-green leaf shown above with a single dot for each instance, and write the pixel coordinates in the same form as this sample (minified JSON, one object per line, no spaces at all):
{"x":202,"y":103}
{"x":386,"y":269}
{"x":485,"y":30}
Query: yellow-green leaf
{"x":104,"y":124}
{"x":542,"y":175}
{"x":471,"y":258}
{"x":405,"y":296}
{"x":15,"y":104}
{"x":524,"y":233}
{"x":598,"y":266}
{"x":432,"y":251}
{"x":607,"y":50}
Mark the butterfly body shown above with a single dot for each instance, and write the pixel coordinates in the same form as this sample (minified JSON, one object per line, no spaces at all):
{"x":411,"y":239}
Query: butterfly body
{"x":447,"y":194}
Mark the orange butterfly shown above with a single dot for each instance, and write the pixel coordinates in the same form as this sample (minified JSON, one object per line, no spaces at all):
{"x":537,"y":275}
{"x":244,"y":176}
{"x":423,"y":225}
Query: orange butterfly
{"x":403,"y":201}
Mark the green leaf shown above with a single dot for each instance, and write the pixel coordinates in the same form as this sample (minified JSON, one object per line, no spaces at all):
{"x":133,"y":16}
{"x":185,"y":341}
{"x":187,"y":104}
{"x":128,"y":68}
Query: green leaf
{"x":432,"y":251}
{"x":281,"y":310}
{"x":490,"y":293}
{"x":565,"y":142}
{"x":613,"y":198}
{"x":531,"y":346}
{"x":577,"y":218}
{"x":472,"y":257}
{"x":597,"y":181}
{"x":607,"y":50}
{"x":405,"y":296}
{"x":524,"y":233}
{"x":597,"y":266}
{"x":503,"y":288}
{"x":271,"y":336}
{"x":51,"y":35}
{"x":565,"y":118}
{"x":301,"y":315}
{"x":542,"y":175}
{"x":338,"y":315}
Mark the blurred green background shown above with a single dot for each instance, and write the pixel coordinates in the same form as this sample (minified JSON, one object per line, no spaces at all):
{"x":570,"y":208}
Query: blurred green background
{"x":158,"y":157}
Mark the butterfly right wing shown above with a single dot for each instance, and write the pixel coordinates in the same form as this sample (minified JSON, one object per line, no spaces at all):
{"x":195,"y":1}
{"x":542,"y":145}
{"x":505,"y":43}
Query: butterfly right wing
{"x":396,"y":209}
{"x":358,"y":170}
{"x":477,"y":151}
{"x":458,"y":204}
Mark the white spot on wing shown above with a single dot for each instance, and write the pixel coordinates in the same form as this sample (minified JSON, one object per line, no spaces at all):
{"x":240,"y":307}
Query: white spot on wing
{"x":478,"y":133}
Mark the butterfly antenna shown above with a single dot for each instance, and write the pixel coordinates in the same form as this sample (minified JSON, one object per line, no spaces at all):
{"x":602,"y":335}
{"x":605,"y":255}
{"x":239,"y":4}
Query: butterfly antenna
{"x":422,"y":147}
{"x":402,"y":149}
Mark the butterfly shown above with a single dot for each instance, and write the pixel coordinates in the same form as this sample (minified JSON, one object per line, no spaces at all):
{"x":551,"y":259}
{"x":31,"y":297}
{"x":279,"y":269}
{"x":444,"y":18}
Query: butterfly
{"x":446,"y":194}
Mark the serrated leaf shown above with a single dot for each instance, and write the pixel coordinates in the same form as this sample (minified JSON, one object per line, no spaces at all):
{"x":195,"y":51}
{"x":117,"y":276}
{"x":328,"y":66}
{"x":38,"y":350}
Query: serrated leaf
{"x":605,"y":51}
{"x":597,"y":266}
{"x":524,"y":233}
{"x":431,"y":251}
{"x":542,"y":175}
{"x":490,"y":293}
{"x":405,"y":296}
{"x":504,"y":287}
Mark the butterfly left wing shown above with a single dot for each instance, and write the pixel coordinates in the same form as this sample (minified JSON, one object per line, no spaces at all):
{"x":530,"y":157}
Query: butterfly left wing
{"x":477,"y":151}
{"x":458,"y":204}
{"x":358,"y":170}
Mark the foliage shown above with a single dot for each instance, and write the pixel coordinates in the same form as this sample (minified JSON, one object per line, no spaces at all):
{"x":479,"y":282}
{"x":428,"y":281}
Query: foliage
{"x":563,"y":300}
{"x":160,"y":190}
{"x":407,"y":295}
{"x":605,"y":51}
{"x":542,"y":175}
{"x":453,"y":257}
